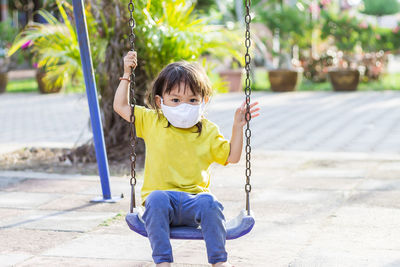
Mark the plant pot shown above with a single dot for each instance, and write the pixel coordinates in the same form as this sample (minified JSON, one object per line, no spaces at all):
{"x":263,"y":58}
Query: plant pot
{"x":3,"y":81}
{"x":344,"y":80}
{"x":283,"y":80}
{"x":233,"y":78}
{"x":43,"y":88}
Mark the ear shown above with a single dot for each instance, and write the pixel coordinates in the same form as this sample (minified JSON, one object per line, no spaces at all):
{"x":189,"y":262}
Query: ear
{"x":158,"y":101}
{"x":206,"y":98}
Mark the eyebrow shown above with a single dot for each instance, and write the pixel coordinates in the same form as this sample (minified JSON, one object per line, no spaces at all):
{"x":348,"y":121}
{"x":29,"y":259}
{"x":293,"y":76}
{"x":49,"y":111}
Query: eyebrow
{"x":192,"y":95}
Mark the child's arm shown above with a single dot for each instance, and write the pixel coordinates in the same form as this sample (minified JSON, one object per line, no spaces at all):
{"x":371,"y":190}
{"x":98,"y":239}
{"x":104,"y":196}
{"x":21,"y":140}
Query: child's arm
{"x":121,"y":98}
{"x":237,"y":131}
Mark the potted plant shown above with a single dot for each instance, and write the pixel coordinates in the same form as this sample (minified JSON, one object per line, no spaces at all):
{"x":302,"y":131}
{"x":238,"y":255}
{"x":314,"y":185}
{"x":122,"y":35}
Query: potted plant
{"x":231,"y":70}
{"x":316,"y":69}
{"x":376,"y":43}
{"x":379,"y":8}
{"x":55,"y":49}
{"x":232,"y":76}
{"x":290,"y":24}
{"x":344,"y":30}
{"x":7,"y":34}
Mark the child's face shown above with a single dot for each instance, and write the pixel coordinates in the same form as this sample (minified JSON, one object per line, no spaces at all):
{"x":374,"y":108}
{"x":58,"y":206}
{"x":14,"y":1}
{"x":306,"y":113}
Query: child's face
{"x":179,"y":95}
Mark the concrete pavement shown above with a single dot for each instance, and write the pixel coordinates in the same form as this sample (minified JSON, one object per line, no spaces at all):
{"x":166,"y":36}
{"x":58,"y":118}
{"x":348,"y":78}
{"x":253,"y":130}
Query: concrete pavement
{"x":360,"y":122}
{"x":326,"y":187}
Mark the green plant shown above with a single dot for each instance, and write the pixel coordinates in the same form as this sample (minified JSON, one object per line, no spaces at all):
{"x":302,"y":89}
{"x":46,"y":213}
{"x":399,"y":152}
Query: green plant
{"x":55,"y":47}
{"x":380,"y":7}
{"x":170,"y":31}
{"x":396,"y":38}
{"x":374,"y":39}
{"x":316,"y":69}
{"x":291,"y":23}
{"x":7,"y":35}
{"x":166,"y":31}
{"x":344,"y":30}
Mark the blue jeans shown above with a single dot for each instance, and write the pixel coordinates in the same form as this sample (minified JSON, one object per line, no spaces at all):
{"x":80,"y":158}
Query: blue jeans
{"x":171,"y":208}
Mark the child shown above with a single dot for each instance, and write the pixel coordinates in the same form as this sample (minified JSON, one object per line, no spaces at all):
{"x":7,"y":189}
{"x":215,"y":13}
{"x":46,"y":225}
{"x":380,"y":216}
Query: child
{"x":180,"y":146}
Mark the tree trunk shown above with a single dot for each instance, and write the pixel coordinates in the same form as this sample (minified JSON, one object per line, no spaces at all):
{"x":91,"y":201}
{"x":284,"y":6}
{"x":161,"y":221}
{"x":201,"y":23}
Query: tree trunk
{"x":36,"y":7}
{"x":116,"y":130}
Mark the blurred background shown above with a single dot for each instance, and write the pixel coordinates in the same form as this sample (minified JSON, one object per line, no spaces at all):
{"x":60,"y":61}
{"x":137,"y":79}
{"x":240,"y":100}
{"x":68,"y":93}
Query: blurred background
{"x":305,"y":40}
{"x":304,"y":45}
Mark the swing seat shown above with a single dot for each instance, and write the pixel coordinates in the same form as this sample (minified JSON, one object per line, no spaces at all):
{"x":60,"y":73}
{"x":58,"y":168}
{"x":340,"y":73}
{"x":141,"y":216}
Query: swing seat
{"x":236,"y":227}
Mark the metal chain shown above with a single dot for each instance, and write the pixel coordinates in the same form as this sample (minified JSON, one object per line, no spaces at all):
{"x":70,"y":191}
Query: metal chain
{"x":248,"y":114}
{"x":133,"y":140}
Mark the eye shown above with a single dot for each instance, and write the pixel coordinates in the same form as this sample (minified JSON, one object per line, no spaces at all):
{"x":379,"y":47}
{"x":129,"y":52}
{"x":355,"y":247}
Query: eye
{"x":194,"y":100}
{"x":175,"y":100}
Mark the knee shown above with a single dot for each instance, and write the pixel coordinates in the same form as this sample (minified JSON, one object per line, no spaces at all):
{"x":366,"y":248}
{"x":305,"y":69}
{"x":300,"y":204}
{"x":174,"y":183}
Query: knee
{"x":157,"y":199}
{"x":208,"y":201}
{"x":210,"y":210}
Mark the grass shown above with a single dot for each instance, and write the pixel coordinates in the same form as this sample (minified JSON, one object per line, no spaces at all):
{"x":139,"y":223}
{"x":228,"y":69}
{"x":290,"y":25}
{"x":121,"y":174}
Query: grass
{"x":387,"y":82}
{"x":22,"y":86}
{"x":120,"y":216}
{"x":30,"y":85}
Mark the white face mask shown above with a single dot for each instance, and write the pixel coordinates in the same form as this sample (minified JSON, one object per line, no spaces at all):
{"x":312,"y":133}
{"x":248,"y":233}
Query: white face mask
{"x":184,"y":115}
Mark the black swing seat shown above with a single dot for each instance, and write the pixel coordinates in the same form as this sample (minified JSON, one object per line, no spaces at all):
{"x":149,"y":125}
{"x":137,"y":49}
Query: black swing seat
{"x":237,"y":227}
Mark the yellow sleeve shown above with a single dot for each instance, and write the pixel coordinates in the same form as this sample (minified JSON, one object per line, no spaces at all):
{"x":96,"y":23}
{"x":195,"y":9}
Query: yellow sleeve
{"x":143,"y":118}
{"x":220,"y":147}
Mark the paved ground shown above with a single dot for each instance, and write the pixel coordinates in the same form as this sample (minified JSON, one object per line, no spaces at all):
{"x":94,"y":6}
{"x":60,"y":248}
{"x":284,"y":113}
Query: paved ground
{"x":29,"y":119}
{"x":323,"y":121}
{"x":326,"y":186}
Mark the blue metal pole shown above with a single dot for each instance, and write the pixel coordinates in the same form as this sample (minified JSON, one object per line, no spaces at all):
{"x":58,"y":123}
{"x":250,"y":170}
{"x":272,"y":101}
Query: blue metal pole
{"x":88,"y":72}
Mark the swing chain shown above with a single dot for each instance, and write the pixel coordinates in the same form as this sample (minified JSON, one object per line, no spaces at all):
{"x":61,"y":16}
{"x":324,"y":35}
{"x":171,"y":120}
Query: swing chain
{"x":133,"y":140}
{"x":248,"y":114}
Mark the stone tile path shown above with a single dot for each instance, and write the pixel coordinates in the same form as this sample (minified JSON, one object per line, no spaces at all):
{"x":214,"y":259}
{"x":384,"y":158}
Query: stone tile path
{"x":360,"y":122}
{"x":325,"y":179}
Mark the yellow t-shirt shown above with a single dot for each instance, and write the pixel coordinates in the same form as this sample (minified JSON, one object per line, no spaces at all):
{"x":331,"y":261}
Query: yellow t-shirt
{"x":178,"y":159}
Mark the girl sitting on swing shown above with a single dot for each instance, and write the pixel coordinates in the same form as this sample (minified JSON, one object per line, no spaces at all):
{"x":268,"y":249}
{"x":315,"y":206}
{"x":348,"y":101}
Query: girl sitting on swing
{"x":181,"y":144}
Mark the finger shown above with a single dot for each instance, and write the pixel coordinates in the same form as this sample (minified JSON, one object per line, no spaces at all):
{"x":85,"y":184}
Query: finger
{"x":255,"y":115}
{"x":254,"y":110}
{"x":253,"y":104}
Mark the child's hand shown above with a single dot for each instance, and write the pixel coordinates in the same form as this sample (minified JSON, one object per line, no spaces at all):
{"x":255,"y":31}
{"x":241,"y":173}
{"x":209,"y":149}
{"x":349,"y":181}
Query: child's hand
{"x":130,"y":61}
{"x":240,"y":113}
